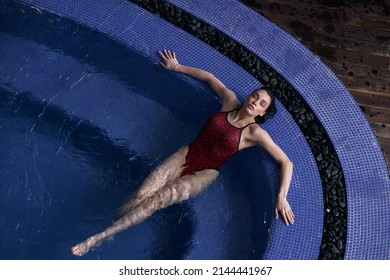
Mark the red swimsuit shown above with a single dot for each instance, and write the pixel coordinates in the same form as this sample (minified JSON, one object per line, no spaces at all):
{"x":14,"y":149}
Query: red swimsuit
{"x":216,"y":142}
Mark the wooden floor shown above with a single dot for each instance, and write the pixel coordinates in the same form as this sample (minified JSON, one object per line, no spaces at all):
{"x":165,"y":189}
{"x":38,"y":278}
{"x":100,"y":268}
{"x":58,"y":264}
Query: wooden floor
{"x":353,"y":39}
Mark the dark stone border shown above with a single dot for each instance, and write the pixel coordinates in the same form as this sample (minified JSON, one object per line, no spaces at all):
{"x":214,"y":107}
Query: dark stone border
{"x":333,"y":182}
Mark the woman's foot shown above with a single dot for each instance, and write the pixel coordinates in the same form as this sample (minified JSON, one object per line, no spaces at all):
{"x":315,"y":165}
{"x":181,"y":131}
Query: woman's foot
{"x":82,"y":248}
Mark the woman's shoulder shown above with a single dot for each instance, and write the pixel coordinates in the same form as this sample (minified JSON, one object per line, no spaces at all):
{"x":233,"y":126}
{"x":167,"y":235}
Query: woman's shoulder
{"x":230,"y":105}
{"x":257,"y":133}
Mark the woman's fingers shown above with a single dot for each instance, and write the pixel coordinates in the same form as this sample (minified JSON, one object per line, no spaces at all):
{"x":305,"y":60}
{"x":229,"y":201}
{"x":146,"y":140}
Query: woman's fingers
{"x":285,"y":218}
{"x":283,"y":207}
{"x":289,"y":217}
{"x":168,"y":56}
{"x":162,"y":56}
{"x":164,"y":59}
{"x":287,"y":214}
{"x":169,"y":59}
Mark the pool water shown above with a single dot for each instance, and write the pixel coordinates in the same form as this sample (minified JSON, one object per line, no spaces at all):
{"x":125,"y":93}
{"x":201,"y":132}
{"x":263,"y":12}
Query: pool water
{"x":83,"y":120}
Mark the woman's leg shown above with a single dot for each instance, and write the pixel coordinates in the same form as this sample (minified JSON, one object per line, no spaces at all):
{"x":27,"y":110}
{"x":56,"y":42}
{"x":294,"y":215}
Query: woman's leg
{"x":165,"y":173}
{"x":179,"y":190}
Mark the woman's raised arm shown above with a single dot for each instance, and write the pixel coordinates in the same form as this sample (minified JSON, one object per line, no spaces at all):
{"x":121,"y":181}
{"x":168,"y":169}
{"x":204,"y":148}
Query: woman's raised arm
{"x":228,"y":97}
{"x":261,"y":137}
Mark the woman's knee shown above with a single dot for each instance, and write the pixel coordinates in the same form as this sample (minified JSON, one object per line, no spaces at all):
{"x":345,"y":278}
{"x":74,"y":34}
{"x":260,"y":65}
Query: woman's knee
{"x":170,"y":194}
{"x":199,"y":181}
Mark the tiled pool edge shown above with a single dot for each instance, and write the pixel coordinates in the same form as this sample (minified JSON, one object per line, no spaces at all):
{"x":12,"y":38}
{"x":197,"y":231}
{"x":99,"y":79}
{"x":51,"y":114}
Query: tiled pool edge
{"x":333,"y":183}
{"x":365,"y":169}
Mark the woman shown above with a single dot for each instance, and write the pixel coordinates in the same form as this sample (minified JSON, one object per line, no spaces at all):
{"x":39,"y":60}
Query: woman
{"x":191,"y":169}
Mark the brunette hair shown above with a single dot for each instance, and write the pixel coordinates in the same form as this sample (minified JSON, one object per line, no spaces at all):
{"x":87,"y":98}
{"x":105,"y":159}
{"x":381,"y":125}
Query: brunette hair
{"x":271,"y":110}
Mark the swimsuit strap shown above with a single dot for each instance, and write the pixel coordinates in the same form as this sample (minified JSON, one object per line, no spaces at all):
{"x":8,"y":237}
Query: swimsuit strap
{"x":227,"y":116}
{"x":248,"y":125}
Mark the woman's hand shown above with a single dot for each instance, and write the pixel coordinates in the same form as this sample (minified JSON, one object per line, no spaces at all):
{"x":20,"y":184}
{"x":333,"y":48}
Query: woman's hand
{"x":169,"y":60}
{"x":283,"y":207}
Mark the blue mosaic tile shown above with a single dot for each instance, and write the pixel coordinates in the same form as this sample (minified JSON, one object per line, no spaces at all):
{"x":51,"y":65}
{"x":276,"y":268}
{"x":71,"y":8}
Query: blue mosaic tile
{"x":362,"y":161}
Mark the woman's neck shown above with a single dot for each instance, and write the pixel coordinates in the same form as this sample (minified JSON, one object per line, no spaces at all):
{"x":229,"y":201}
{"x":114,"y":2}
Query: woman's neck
{"x":241,"y":117}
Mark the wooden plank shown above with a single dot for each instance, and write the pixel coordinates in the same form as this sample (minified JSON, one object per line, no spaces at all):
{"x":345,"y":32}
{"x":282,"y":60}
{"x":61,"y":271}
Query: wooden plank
{"x":381,"y":130}
{"x":357,"y":83}
{"x":373,"y":8}
{"x":323,"y":20}
{"x":362,"y":52}
{"x":385,"y":146}
{"x":357,"y":70}
{"x":357,"y":57}
{"x":344,"y":43}
{"x":303,"y":18}
{"x":354,"y":84}
{"x":369,"y":80}
{"x":371,"y":99}
{"x":368,"y":22}
{"x":376,"y":115}
{"x":387,"y":158}
{"x":330,"y":4}
{"x":321,"y":26}
{"x":317,"y":37}
{"x":362,"y":33}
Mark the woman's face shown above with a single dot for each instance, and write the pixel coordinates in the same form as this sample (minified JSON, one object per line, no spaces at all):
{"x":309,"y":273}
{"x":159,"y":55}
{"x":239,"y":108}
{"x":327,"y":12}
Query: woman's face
{"x":257,"y":103}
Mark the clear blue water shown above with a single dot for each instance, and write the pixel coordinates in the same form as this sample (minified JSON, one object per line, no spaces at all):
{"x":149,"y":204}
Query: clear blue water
{"x":83,"y":120}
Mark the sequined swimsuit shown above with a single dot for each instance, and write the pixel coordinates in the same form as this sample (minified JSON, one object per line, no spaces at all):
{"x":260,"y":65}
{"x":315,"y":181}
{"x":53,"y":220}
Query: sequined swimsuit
{"x":216,"y":142}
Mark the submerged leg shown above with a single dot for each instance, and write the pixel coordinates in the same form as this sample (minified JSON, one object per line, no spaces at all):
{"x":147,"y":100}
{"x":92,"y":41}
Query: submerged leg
{"x":179,"y":190}
{"x":165,"y":173}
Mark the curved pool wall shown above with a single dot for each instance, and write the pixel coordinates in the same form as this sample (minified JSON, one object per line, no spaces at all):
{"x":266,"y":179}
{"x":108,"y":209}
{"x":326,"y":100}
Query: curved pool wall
{"x":363,"y":164}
